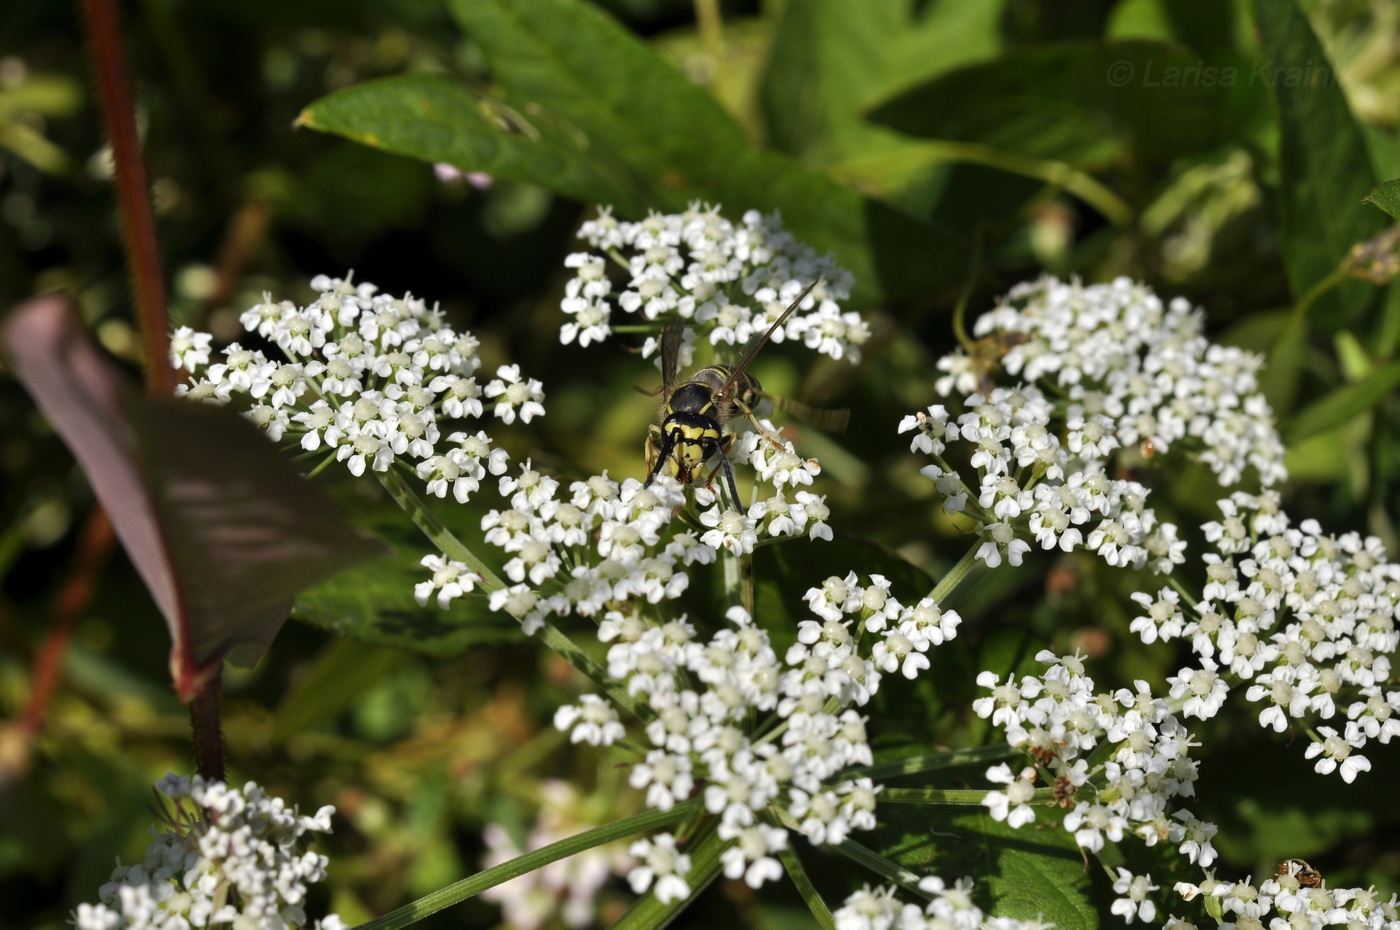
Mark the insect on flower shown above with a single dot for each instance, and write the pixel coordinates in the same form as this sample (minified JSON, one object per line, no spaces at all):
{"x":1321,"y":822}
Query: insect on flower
{"x":696,"y":411}
{"x":1306,"y":875}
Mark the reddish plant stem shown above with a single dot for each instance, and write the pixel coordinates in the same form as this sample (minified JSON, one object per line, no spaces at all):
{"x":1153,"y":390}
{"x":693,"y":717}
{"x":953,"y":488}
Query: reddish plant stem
{"x":94,"y":548}
{"x":147,"y":285}
{"x":133,"y":191}
{"x":207,"y":728}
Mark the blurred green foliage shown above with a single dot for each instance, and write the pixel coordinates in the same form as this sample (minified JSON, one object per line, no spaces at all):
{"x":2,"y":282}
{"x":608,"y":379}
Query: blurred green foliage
{"x":908,"y":137}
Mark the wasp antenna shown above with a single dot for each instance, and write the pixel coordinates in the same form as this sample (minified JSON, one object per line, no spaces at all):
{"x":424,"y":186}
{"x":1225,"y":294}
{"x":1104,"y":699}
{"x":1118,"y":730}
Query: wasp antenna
{"x":752,"y":351}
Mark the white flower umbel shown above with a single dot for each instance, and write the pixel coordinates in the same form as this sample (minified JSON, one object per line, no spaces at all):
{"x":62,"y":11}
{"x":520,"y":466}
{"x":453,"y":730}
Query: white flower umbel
{"x":1135,"y":372}
{"x":728,"y":281}
{"x":368,"y":379}
{"x":1307,"y":619}
{"x":1130,"y":376}
{"x":450,"y":579}
{"x":1119,"y":762}
{"x":1281,"y":901}
{"x":1026,"y":485}
{"x":232,"y":857}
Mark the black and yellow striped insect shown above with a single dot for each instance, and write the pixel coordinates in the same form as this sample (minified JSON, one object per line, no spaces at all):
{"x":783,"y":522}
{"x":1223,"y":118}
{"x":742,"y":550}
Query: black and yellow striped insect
{"x":695,"y":412}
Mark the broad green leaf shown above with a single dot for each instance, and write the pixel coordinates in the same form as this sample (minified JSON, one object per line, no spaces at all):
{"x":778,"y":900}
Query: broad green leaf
{"x":1270,"y":803}
{"x":1325,"y":170}
{"x":1032,"y":872}
{"x":343,"y":672}
{"x":1336,"y":408}
{"x":584,"y":108}
{"x":1319,"y":459}
{"x":437,"y":119}
{"x":1387,"y":197}
{"x":1281,"y":376}
{"x":831,"y":60}
{"x":1091,"y":105}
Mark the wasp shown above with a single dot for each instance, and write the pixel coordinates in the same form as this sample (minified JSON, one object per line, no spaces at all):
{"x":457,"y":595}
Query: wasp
{"x":695,"y":412}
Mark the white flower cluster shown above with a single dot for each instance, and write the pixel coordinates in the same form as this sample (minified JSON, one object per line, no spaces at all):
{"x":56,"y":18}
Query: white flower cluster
{"x":606,"y":542}
{"x":1033,"y":484}
{"x":1117,"y":761}
{"x":705,"y":693}
{"x":241,"y":859}
{"x":699,"y":267}
{"x":567,"y":889}
{"x":368,"y":377}
{"x":1309,"y":619}
{"x":1281,"y":901}
{"x":951,"y":907}
{"x":1132,"y":372}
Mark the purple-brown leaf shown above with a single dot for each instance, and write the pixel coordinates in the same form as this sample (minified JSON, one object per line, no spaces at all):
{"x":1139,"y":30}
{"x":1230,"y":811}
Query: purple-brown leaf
{"x":220,"y":525}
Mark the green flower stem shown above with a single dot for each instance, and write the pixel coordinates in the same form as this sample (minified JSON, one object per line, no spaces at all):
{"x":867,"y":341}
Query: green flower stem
{"x":1337,"y":276}
{"x":798,"y":874}
{"x":432,"y":527}
{"x":650,"y":914}
{"x":966,"y":569}
{"x":886,"y":868}
{"x":966,"y":797}
{"x":555,"y":639}
{"x":454,"y":548}
{"x":738,"y":580}
{"x":469,"y":887}
{"x":933,"y":762}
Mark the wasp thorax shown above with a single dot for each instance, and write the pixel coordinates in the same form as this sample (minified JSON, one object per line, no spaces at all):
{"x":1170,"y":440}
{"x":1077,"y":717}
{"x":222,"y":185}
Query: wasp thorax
{"x":692,"y":397}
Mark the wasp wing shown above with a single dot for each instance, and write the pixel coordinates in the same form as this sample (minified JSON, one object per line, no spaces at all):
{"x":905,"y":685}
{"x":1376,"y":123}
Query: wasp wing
{"x":830,"y":421}
{"x":670,"y":351}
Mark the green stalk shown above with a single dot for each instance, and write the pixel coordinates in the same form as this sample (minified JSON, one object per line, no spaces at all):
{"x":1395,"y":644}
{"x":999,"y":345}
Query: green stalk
{"x":966,"y":797}
{"x":738,"y":580}
{"x":433,"y":528}
{"x":468,"y":887}
{"x":933,"y":762}
{"x":800,"y":878}
{"x":550,"y":635}
{"x":967,"y":567}
{"x":885,"y":868}
{"x":555,"y":639}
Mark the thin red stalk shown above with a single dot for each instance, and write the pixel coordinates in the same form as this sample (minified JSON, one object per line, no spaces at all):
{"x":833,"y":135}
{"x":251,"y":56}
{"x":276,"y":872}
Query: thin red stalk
{"x":148,"y":290}
{"x":94,"y":547}
{"x":133,"y":191}
{"x":207,"y":730}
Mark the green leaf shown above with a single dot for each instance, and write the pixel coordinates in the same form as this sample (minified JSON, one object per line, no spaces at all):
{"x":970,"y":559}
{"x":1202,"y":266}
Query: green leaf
{"x":1088,"y":104}
{"x":1325,"y":169}
{"x":1027,"y":873}
{"x":584,"y":108}
{"x":434,"y":118}
{"x":1336,"y":408}
{"x":1387,"y":197}
{"x":831,"y":60}
{"x":375,"y":603}
{"x":342,"y":673}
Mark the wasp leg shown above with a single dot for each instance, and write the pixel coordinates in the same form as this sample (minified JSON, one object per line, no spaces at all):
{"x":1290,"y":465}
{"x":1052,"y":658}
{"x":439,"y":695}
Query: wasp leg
{"x":720,"y":448}
{"x":668,"y":446}
{"x":776,"y":441}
